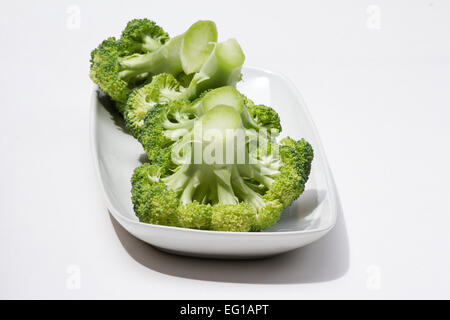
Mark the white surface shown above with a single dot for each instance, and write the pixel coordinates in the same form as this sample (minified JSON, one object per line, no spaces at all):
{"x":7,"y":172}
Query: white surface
{"x":379,"y":98}
{"x":116,"y":154}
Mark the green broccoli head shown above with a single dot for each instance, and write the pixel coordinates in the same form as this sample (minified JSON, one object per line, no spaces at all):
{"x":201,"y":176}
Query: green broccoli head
{"x":216,"y":192}
{"x":162,"y":89}
{"x":149,"y":195}
{"x":117,"y":77}
{"x":144,"y":50}
{"x":305,"y":151}
{"x":142,"y":36}
{"x":104,"y":71}
{"x":180,"y":54}
{"x":264,"y":116}
{"x":163,"y":125}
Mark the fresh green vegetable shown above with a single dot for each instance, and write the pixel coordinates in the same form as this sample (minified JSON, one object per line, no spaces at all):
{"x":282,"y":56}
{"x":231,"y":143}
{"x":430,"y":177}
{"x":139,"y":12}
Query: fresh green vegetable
{"x":198,"y":43}
{"x":222,"y":68}
{"x":142,"y":36}
{"x":145,"y":50}
{"x":215,"y":195}
{"x":163,"y":88}
{"x":219,"y":70}
{"x":165,"y":124}
{"x":215,"y":162}
{"x":105,"y":70}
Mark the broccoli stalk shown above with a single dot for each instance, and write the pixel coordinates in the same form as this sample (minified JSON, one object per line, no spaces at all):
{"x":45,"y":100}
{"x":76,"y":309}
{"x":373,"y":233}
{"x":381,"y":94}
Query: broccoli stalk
{"x":222,"y":68}
{"x":142,"y":66}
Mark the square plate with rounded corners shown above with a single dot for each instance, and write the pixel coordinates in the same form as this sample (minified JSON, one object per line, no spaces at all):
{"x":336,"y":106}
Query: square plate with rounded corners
{"x":116,"y":153}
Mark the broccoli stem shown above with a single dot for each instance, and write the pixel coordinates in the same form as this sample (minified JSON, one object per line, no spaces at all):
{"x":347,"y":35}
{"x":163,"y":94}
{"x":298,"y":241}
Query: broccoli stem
{"x":189,"y":190}
{"x":166,"y":59}
{"x":244,"y":192}
{"x":179,"y":179}
{"x":198,"y":42}
{"x":222,"y":68}
{"x":225,"y":192}
{"x":259,"y":172}
{"x":151,"y":44}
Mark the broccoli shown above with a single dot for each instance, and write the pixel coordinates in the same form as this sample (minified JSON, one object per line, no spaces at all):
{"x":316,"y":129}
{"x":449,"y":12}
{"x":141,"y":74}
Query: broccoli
{"x":139,"y":36}
{"x":219,"y":70}
{"x":178,"y":190}
{"x":120,"y":65}
{"x":164,"y":125}
{"x":196,"y":49}
{"x":142,"y":36}
{"x":104,"y":71}
{"x":182,"y":53}
{"x":162,"y":89}
{"x":222,"y":68}
{"x":215,"y":159}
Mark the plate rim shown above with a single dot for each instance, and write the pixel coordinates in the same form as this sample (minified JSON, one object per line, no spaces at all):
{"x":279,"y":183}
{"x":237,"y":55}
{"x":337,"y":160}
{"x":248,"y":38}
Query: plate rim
{"x":318,"y":147}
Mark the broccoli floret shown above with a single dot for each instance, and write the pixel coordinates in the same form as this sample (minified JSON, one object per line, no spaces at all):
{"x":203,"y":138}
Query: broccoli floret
{"x":238,"y":217}
{"x":196,"y":49}
{"x":214,"y":195}
{"x":164,"y":125}
{"x":306,"y":152}
{"x":142,"y":36}
{"x":195,"y":215}
{"x":162,"y":89}
{"x":150,"y":195}
{"x":139,"y":37}
{"x":104,"y":71}
{"x":144,"y":50}
{"x":117,"y":74}
{"x":194,"y":44}
{"x":265,"y":116}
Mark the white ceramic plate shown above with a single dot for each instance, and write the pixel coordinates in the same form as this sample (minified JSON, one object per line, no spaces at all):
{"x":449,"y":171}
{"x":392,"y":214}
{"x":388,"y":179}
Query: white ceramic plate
{"x":116,"y":154}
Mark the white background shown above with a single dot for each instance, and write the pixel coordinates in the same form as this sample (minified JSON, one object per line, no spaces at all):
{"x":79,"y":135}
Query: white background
{"x":378,"y":90}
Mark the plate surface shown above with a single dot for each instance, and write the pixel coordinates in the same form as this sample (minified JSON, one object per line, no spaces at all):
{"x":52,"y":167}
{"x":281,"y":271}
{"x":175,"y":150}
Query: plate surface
{"x":116,"y":153}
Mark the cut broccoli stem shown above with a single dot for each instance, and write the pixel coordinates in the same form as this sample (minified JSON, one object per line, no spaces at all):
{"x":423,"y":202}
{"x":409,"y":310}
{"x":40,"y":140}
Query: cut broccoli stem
{"x":164,"y":60}
{"x":198,"y":43}
{"x":220,"y":118}
{"x":227,"y":95}
{"x":222,"y":68}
